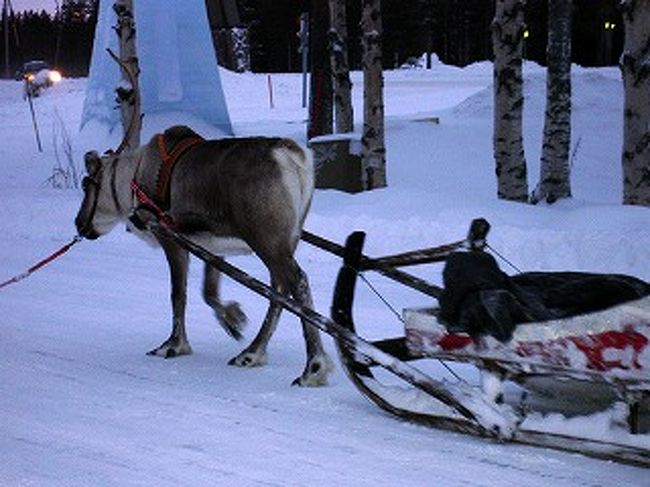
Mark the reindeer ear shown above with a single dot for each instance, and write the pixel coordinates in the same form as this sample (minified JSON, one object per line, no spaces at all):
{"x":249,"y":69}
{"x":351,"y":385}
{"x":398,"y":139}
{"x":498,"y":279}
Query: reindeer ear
{"x":93,"y":162}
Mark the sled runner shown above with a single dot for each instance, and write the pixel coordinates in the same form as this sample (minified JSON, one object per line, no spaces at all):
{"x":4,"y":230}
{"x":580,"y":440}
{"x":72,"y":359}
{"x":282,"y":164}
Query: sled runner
{"x":608,"y":349}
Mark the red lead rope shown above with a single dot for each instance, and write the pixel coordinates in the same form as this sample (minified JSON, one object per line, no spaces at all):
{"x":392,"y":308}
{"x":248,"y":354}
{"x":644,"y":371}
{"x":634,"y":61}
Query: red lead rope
{"x":144,"y":199}
{"x":43,"y":262}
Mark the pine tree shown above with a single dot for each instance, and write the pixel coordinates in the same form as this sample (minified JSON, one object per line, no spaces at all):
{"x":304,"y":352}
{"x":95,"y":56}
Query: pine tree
{"x":507,"y":36}
{"x":635,"y":66}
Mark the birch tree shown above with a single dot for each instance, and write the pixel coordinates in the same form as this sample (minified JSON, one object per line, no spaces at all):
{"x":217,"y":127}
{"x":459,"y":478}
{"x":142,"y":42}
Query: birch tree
{"x":507,"y":39}
{"x":128,"y":92}
{"x":343,"y":113}
{"x":635,"y":67}
{"x":555,"y":171}
{"x":373,"y":151}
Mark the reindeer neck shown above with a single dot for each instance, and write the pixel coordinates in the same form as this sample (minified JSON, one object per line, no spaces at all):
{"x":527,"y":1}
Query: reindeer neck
{"x":121,"y":172}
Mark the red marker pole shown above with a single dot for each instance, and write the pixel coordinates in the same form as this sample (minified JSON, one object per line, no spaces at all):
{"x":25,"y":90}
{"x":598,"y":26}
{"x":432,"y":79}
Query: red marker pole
{"x":270,"y":85}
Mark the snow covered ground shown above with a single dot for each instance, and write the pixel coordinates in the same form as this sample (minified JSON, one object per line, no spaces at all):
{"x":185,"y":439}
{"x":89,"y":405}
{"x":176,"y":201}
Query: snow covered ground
{"x":81,"y":404}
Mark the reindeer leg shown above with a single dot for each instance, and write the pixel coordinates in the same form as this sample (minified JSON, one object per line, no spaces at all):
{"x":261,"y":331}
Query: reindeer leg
{"x":319,"y":365}
{"x":255,"y":354}
{"x":178,"y":260}
{"x":229,"y":314}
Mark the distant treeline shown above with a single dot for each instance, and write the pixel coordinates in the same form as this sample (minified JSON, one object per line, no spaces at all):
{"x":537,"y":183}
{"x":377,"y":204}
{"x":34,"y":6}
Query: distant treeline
{"x":457,"y":31}
{"x":63,"y":39}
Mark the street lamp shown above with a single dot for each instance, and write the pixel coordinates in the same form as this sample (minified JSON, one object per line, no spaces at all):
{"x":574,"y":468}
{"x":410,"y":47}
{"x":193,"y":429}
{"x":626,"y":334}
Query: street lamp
{"x":525,"y":35}
{"x":609,"y":28}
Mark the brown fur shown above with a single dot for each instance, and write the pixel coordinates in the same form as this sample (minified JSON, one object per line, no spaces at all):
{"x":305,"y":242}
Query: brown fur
{"x":254,"y":191}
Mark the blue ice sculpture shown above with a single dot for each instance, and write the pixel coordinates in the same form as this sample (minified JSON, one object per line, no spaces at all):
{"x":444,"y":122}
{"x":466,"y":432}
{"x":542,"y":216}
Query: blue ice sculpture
{"x":178,"y":66}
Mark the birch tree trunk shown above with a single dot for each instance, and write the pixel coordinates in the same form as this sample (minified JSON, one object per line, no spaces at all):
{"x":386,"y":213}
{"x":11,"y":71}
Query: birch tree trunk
{"x":635,"y":66}
{"x":373,"y":151}
{"x":343,"y":113}
{"x":555,"y":171}
{"x":507,"y":39}
{"x":128,"y":92}
{"x":241,"y":49}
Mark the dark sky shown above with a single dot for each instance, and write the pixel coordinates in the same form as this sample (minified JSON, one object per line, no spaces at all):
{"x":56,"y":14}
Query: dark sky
{"x":20,"y":5}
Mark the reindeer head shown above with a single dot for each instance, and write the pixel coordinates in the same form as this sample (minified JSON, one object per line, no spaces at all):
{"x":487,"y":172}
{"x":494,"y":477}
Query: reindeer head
{"x":98,"y":213}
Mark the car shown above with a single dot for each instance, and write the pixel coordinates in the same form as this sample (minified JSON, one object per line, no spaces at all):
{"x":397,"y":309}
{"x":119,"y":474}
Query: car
{"x":37,"y":75}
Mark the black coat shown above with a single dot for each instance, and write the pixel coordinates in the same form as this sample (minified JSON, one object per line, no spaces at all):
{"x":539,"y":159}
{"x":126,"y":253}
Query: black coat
{"x":480,"y":299}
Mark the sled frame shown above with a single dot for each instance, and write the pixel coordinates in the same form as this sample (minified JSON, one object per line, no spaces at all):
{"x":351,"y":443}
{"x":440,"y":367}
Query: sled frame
{"x":361,"y":375}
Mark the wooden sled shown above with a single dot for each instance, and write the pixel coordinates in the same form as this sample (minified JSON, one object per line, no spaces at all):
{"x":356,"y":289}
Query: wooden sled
{"x":605,"y":354}
{"x":457,"y":406}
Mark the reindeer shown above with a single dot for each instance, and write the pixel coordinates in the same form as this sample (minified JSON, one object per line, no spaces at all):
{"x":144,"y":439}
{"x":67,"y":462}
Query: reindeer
{"x":232,"y":195}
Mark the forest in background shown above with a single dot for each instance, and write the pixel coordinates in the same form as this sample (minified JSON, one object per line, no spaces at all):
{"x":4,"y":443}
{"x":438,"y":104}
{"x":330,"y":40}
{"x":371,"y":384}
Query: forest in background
{"x":63,"y":39}
{"x":457,"y":31}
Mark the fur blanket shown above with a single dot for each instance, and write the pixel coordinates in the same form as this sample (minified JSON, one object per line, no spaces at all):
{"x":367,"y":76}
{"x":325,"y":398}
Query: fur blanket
{"x":479,"y":298}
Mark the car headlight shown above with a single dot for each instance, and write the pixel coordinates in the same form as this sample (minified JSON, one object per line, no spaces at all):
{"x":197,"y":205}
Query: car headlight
{"x":54,"y":76}
{"x":30,"y":77}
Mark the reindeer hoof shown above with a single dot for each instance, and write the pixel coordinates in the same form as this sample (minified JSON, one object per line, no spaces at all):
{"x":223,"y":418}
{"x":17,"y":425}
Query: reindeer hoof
{"x":248,"y":359}
{"x":316,"y":372}
{"x":233,"y":320}
{"x":171,"y":348}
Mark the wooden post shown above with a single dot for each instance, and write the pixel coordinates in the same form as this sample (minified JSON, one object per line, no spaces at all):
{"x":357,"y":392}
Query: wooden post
{"x":373,"y":151}
{"x":128,"y":92}
{"x":320,"y":93}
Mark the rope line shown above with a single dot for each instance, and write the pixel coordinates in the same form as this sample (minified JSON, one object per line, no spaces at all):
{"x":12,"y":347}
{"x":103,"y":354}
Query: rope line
{"x":43,"y":262}
{"x":503,"y":258}
{"x":399,"y":317}
{"x":381,"y":298}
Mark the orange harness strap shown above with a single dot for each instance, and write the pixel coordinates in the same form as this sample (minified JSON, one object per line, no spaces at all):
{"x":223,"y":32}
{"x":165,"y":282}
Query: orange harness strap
{"x":169,"y":160}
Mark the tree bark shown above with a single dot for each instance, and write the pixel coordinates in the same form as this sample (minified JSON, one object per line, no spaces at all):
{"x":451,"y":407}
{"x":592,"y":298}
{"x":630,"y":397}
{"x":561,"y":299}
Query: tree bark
{"x":320,"y":93}
{"x":635,"y":67}
{"x":241,"y":51}
{"x":373,"y":151}
{"x":128,"y":92}
{"x":555,"y":170}
{"x":507,"y":39}
{"x":343,"y":113}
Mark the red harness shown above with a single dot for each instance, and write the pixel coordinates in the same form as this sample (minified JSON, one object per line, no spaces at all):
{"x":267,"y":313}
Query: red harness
{"x":169,"y":160}
{"x":160,"y":203}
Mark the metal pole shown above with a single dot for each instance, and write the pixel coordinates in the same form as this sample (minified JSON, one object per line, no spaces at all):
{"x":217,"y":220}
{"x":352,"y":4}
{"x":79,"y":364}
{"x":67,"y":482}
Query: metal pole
{"x":31,"y":109}
{"x":270,"y":86}
{"x":304,"y":50}
{"x":5,"y":13}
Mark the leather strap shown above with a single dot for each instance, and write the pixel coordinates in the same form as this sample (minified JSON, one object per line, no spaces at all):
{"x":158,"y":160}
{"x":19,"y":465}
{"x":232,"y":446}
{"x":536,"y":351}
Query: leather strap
{"x":169,"y":160}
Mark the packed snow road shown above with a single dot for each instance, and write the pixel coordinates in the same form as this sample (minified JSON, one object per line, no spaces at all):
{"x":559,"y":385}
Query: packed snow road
{"x":80,"y":402}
